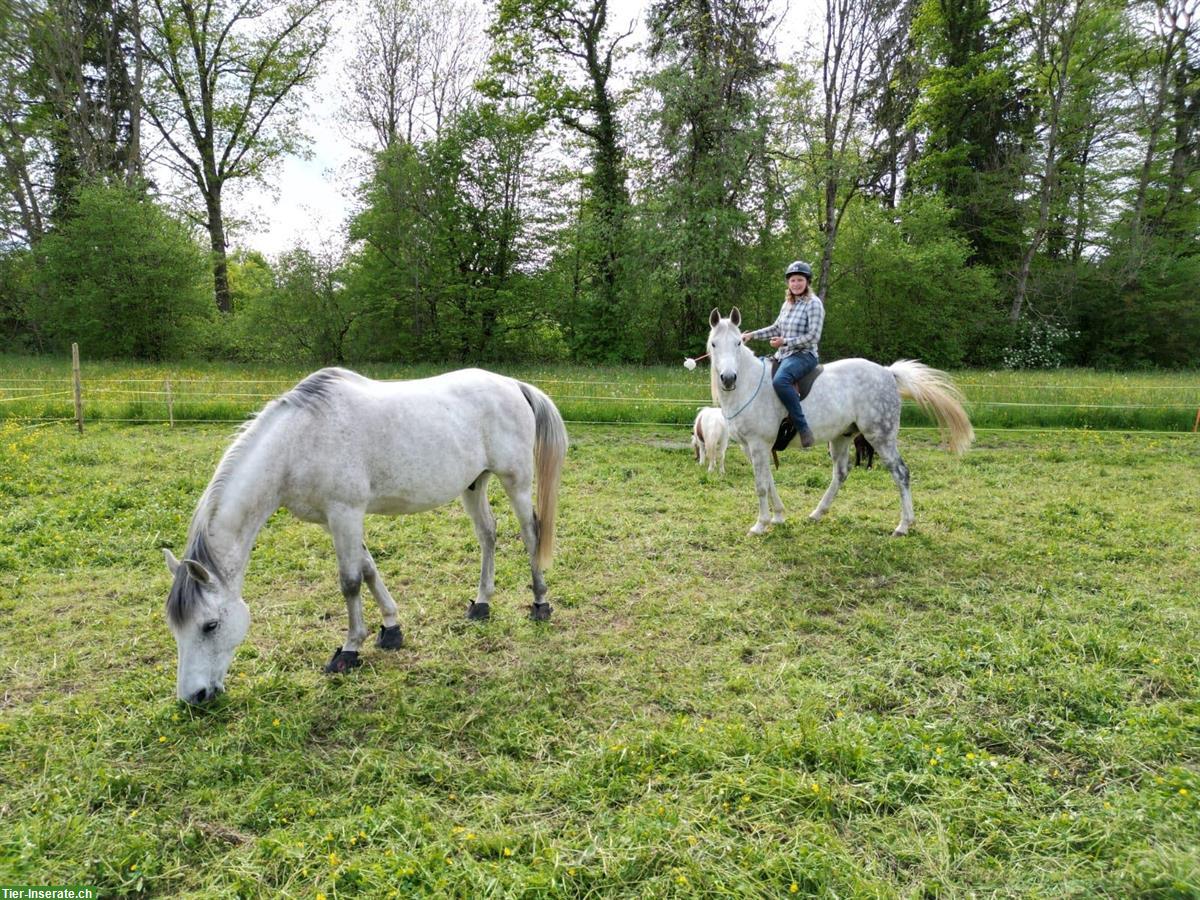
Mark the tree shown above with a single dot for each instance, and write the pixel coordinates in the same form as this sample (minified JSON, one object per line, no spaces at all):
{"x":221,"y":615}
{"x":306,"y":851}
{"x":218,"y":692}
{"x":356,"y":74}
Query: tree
{"x":227,"y":76}
{"x":555,"y":43}
{"x":121,"y":277}
{"x":707,"y":114}
{"x":307,"y":311}
{"x":413,"y":68}
{"x":973,"y":121}
{"x":441,"y":237}
{"x":1066,"y":47}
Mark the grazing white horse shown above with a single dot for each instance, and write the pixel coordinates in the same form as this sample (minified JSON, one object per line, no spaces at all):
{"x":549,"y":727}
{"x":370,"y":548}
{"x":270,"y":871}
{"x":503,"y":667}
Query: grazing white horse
{"x":710,"y":437}
{"x":338,"y":446}
{"x":851,"y":396}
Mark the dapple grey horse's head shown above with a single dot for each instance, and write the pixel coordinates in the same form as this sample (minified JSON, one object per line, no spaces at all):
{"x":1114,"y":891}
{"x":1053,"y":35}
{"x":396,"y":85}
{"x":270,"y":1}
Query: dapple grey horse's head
{"x":724,"y":344}
{"x":208,"y":620}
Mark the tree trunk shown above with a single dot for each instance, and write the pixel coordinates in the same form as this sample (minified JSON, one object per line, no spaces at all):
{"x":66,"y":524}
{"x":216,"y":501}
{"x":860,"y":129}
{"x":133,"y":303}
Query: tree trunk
{"x":220,"y":264}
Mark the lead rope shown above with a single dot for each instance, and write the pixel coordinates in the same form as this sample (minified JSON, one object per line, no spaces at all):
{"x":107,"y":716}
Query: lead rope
{"x":761,"y":379}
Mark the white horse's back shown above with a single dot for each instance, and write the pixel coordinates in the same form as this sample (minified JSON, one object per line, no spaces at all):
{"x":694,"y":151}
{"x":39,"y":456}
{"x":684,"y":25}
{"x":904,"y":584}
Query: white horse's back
{"x":405,"y":446}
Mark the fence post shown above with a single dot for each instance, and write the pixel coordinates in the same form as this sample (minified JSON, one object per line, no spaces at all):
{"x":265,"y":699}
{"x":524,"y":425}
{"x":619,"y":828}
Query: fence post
{"x":78,"y":387}
{"x":170,"y":405}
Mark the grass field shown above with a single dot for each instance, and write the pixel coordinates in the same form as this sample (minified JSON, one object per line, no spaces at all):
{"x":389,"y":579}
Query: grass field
{"x":1005,"y":703}
{"x":41,"y":388}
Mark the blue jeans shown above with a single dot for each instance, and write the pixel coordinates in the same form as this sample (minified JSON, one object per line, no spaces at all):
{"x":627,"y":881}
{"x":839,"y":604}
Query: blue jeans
{"x":791,"y":370}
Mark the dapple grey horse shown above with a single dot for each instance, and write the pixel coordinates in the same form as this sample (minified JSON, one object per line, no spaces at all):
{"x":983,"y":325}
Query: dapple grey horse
{"x":851,"y":396}
{"x":339,"y":446}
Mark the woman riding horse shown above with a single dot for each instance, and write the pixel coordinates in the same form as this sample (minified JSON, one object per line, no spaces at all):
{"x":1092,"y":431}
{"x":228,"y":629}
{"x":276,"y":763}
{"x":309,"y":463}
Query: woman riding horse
{"x":795,"y":335}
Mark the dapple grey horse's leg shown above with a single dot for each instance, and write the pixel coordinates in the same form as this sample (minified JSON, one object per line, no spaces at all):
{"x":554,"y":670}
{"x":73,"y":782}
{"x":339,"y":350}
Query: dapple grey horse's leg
{"x":764,"y":485}
{"x":346,"y":526}
{"x":887,"y":450}
{"x":839,"y":452}
{"x":390,"y":637}
{"x":519,"y":488}
{"x":475,"y":502}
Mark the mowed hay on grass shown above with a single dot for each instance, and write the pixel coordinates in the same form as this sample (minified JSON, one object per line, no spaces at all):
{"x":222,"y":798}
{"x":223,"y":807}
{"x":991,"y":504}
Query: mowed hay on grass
{"x":1005,"y":702}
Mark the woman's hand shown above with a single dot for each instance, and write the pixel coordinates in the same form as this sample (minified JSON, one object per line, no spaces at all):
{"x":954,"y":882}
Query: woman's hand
{"x":777,"y":342}
{"x":746,"y":336}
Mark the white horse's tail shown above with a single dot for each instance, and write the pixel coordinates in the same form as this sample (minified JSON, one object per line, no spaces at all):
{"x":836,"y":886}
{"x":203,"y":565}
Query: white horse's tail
{"x":935,"y":393}
{"x":549,"y":451}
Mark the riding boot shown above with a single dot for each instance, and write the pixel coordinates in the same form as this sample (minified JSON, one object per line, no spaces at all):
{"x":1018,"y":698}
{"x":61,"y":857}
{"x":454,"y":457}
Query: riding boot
{"x":806,"y":436}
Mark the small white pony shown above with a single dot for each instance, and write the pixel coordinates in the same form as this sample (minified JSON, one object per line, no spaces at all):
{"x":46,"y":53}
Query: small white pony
{"x":851,"y":396}
{"x":710,"y":437}
{"x":338,"y":446}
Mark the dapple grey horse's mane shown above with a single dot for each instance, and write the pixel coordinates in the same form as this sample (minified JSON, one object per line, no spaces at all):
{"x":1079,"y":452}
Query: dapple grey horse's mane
{"x":312,"y":393}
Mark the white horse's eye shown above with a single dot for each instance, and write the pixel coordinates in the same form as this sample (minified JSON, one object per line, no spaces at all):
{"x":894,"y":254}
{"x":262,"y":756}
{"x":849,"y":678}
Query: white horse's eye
{"x":211,"y":626}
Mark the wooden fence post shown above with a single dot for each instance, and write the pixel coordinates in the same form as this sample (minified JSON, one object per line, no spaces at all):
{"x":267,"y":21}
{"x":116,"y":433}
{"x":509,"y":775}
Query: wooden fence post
{"x":170,"y":405}
{"x":78,"y":387}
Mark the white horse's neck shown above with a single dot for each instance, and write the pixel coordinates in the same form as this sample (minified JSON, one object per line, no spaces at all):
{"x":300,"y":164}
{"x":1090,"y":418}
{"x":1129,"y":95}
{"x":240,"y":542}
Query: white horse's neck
{"x":243,"y":493}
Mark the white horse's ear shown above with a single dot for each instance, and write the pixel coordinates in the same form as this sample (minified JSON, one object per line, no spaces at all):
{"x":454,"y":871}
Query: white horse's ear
{"x":735,"y":316}
{"x":172,"y":562}
{"x":197,"y":571}
{"x":714,"y":317}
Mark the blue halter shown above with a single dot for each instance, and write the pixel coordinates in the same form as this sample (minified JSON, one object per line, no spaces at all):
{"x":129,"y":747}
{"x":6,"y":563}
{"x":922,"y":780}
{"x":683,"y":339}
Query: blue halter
{"x":761,"y":379}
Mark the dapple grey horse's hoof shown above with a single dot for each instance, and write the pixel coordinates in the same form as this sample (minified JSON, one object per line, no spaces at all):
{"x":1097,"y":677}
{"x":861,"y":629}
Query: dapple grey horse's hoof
{"x":389,"y":638}
{"x":343,"y":661}
{"x":540,"y":612}
{"x":479,"y":612}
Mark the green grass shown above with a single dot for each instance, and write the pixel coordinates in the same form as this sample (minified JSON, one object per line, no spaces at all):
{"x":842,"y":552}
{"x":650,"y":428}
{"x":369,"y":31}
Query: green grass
{"x":1003,"y":704}
{"x":40,"y":388}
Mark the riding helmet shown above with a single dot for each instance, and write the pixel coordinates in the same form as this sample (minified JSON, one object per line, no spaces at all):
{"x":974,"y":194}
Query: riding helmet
{"x":799,"y":268}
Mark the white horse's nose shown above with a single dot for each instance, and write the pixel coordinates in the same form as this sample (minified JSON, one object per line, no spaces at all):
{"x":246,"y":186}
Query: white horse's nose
{"x":728,"y":380}
{"x":202,"y":696}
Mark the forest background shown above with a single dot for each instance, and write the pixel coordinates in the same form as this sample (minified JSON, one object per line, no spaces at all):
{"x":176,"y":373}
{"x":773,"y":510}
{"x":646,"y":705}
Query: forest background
{"x":977,"y":183}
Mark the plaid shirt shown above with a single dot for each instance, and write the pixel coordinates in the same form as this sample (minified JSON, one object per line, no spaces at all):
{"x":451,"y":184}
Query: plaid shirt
{"x":799,"y":323}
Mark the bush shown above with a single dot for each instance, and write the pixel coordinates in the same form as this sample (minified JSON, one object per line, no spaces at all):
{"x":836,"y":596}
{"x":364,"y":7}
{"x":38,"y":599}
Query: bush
{"x":904,"y":289}
{"x":123,"y":278}
{"x":1038,"y":345}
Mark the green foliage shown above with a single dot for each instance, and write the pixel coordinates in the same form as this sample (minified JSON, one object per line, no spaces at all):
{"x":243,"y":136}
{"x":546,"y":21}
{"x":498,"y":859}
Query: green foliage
{"x":304,"y":312}
{"x":122,"y":278}
{"x":970,"y":107}
{"x":17,"y":285}
{"x":1149,"y":317}
{"x":906,"y":289}
{"x":439,"y":238}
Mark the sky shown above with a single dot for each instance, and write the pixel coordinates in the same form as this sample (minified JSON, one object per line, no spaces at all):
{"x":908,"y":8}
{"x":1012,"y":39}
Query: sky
{"x":310,"y":200}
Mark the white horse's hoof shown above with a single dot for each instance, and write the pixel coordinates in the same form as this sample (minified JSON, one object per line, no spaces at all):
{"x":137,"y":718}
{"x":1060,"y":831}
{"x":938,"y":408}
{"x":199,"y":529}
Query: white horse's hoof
{"x":900,"y":532}
{"x":758,"y":528}
{"x":815,"y":516}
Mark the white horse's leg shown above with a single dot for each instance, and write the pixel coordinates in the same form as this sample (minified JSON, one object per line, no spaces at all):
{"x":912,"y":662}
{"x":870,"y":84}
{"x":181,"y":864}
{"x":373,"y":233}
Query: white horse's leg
{"x":721,"y":448}
{"x":764,"y":485}
{"x":519,"y":488}
{"x":475,"y":501}
{"x":890,"y":454}
{"x":839,"y":452}
{"x":346,"y":526}
{"x":390,"y":636}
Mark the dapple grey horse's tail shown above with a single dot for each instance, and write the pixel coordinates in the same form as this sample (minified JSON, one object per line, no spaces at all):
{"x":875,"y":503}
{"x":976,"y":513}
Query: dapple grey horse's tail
{"x":549,"y":451}
{"x":935,"y":393}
